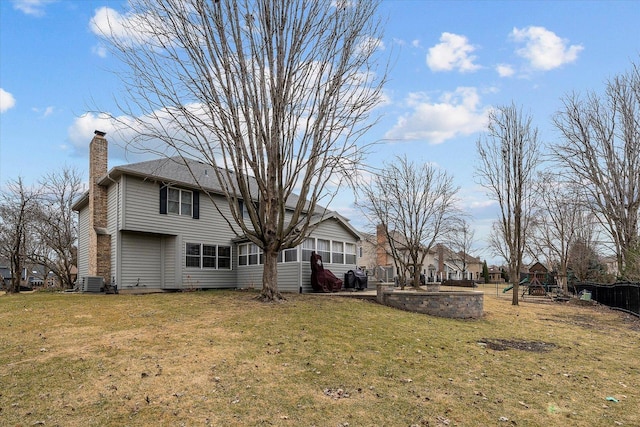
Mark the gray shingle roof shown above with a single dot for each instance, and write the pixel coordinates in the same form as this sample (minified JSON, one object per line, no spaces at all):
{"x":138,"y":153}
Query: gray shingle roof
{"x":180,"y":172}
{"x":177,"y":171}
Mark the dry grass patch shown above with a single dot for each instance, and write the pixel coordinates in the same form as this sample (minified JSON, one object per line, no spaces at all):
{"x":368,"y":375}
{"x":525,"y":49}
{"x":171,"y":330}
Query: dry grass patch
{"x":222,"y":358}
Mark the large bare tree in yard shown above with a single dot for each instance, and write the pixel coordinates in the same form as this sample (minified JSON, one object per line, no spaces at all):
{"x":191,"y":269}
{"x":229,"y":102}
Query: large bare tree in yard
{"x":55,"y":224}
{"x":558,"y":218}
{"x":509,"y":156}
{"x":275,"y":95}
{"x":600,"y":152}
{"x":416,"y":206}
{"x":17,"y":211}
{"x":461,"y":243}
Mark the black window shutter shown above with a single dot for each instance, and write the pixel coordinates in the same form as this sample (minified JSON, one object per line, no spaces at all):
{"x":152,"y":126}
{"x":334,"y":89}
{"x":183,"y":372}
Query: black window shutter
{"x":163,"y":199}
{"x":196,"y":205}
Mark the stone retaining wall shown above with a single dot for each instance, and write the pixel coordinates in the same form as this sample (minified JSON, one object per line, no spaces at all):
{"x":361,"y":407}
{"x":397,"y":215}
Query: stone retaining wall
{"x":451,"y":304}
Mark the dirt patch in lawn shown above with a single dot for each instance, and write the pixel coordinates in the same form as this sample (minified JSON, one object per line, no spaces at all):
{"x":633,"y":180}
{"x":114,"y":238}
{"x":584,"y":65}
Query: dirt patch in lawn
{"x":502,"y":345}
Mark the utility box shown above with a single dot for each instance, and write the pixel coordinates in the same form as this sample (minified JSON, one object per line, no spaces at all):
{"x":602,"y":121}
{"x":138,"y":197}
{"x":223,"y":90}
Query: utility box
{"x":93,"y":284}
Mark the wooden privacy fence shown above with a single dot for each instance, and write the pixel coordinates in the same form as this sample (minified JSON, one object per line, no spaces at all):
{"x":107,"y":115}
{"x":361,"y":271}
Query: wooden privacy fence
{"x":623,"y":296}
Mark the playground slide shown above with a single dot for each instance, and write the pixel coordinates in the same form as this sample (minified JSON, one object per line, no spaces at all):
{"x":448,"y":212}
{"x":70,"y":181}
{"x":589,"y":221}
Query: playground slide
{"x":507,"y":289}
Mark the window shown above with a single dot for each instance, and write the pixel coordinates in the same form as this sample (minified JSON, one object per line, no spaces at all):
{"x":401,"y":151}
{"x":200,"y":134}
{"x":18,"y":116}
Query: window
{"x":334,"y":252}
{"x":207,"y":256}
{"x":337,"y":252}
{"x":179,"y":202}
{"x":324,"y":250}
{"x":288,"y":255}
{"x":244,"y":212}
{"x":193,"y":255}
{"x":308,"y":246}
{"x":249,"y":254}
{"x":224,"y":257}
{"x":350,"y":253}
{"x":243,"y":252}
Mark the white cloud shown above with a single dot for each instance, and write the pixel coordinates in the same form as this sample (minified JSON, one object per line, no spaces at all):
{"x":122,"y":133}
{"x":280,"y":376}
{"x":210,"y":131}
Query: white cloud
{"x":454,"y":52}
{"x":109,"y":22}
{"x":455,"y":113}
{"x":130,"y":137}
{"x":505,"y":70}
{"x":32,"y":7}
{"x":543,"y":48}
{"x":44,"y":113}
{"x":482,"y":204}
{"x":99,"y":50}
{"x":126,"y":28}
{"x":7,"y":101}
{"x":368,"y":45}
{"x":81,"y":131}
{"x":415,"y":43}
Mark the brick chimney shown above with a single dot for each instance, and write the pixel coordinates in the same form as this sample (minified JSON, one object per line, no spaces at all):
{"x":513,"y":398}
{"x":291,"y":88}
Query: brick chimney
{"x":99,"y":239}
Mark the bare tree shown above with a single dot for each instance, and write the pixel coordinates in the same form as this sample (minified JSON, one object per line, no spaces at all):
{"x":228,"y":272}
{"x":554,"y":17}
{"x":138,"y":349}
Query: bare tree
{"x":56,"y":224}
{"x":17,"y":207}
{"x":557,"y":218}
{"x":461,"y":242}
{"x":274,"y":95}
{"x":416,"y":205}
{"x":584,"y":259}
{"x":509,"y":156}
{"x":600,"y":153}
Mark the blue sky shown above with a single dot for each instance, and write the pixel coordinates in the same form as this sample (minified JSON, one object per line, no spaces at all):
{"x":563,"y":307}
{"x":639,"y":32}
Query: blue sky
{"x":451,"y":62}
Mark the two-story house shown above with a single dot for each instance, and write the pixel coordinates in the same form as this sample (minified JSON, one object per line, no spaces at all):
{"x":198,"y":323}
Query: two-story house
{"x":153,"y":226}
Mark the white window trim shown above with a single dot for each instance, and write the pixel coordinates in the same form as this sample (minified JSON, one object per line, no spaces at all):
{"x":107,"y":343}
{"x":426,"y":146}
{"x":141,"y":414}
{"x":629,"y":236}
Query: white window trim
{"x":249,"y":246}
{"x":202,"y":256}
{"x":180,"y":192}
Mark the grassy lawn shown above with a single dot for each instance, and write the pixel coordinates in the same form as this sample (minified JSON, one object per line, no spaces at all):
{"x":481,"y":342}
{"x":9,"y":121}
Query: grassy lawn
{"x":221,"y":358}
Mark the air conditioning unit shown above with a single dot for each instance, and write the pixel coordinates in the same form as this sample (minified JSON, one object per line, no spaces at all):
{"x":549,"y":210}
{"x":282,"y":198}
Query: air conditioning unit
{"x":92,"y":284}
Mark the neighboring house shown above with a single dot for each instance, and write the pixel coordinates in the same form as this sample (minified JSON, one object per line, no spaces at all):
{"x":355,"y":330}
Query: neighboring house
{"x":440,"y":263}
{"x":611,"y":265}
{"x":5,"y":277}
{"x":495,"y":274}
{"x":458,"y":265}
{"x":149,"y":226}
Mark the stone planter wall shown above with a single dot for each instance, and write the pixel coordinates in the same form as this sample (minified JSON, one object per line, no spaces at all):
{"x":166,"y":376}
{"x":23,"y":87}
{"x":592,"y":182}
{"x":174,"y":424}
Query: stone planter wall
{"x":451,"y":304}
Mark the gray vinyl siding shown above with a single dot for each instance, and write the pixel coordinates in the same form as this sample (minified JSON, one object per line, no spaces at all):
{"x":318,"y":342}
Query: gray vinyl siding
{"x":141,"y":214}
{"x":141,"y":261}
{"x":83,"y":242}
{"x":249,"y":276}
{"x":289,"y":278}
{"x":113,"y":220}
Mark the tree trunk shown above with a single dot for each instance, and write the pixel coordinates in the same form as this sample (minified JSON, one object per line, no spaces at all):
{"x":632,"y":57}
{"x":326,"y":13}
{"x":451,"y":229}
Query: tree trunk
{"x":270,"y":277}
{"x":416,"y":277}
{"x":16,"y":275}
{"x":515,"y":279}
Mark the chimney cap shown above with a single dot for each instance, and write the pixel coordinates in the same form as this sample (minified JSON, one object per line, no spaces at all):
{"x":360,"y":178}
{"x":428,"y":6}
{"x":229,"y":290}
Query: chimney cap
{"x":99,"y":133}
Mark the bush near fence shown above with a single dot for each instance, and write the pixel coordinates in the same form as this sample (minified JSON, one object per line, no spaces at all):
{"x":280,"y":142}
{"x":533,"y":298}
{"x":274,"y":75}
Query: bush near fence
{"x":623,"y":296}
